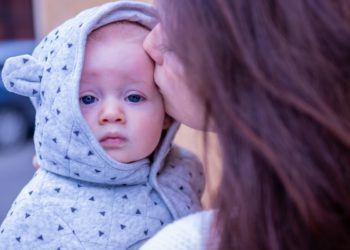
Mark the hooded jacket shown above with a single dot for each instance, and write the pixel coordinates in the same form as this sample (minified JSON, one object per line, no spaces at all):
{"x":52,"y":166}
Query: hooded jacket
{"x":81,"y":198}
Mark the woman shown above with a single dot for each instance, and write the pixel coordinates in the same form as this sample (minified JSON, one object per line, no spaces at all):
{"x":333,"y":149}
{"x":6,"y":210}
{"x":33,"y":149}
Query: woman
{"x":272,"y":77}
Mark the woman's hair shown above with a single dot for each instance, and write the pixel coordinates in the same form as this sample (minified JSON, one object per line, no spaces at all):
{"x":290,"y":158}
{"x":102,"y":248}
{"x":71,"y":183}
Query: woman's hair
{"x":275,"y":77}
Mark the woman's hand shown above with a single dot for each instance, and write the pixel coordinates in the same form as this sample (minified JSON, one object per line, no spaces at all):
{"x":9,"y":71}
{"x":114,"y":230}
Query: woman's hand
{"x":35,"y":162}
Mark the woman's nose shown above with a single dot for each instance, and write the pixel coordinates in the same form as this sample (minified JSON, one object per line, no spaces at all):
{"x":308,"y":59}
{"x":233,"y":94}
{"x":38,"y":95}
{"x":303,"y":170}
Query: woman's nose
{"x":112,"y":113}
{"x":153,"y":45}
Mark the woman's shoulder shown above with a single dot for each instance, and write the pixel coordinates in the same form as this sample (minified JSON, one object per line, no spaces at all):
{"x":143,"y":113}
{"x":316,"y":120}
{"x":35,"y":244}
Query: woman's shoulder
{"x":190,"y":232}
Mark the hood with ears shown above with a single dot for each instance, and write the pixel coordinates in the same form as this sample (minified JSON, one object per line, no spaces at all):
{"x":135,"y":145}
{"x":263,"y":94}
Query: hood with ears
{"x":50,"y":77}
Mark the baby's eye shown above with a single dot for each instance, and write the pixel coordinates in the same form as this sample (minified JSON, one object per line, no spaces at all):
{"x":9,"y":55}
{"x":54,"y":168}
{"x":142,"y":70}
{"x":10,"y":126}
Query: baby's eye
{"x":134,"y":98}
{"x":88,"y":99}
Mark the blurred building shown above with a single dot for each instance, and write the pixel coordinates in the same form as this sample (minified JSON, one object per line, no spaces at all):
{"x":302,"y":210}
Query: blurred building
{"x":16,"y":19}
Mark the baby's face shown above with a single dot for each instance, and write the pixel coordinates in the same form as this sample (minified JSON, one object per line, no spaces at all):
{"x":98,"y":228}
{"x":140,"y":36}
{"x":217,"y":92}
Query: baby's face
{"x":119,"y":100}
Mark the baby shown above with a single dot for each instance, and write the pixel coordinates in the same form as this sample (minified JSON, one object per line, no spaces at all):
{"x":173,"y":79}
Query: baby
{"x":110,"y":177}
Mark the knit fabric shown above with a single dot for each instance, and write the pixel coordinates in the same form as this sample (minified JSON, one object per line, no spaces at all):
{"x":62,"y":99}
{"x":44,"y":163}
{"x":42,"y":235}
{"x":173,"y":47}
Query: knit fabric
{"x":81,"y":198}
{"x":190,"y":233}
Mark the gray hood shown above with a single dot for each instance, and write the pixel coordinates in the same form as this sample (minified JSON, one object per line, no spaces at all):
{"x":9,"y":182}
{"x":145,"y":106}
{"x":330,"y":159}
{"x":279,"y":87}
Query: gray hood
{"x":50,"y":77}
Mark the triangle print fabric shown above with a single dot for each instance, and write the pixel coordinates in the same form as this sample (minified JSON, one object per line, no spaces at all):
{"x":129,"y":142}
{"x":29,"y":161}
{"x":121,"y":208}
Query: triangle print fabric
{"x":80,"y":198}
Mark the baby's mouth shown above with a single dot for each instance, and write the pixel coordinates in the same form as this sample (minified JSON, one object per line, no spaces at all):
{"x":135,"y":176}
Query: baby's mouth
{"x":113,"y":140}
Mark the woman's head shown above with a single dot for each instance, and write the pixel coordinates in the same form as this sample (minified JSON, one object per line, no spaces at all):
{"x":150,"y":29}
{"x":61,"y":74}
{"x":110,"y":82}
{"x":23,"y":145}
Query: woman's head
{"x":180,"y":102}
{"x":274,"y":78}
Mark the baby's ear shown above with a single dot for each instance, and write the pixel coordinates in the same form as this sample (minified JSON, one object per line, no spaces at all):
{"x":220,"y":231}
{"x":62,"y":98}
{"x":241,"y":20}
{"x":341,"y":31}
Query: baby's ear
{"x":167,"y":121}
{"x":22,"y":75}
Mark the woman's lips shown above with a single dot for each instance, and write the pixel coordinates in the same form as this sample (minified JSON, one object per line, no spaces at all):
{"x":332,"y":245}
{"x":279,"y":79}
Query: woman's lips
{"x":113,"y":141}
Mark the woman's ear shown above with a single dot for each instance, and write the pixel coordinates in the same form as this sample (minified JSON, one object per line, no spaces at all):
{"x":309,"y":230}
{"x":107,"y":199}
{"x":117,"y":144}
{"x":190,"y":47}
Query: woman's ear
{"x":167,"y":121}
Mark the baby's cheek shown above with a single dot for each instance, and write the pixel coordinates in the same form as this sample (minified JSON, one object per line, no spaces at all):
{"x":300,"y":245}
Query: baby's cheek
{"x":151,"y":131}
{"x":88,"y":116}
{"x":84,"y":112}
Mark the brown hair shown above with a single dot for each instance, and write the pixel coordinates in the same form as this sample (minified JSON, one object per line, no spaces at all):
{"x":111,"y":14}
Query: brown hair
{"x":275,"y":77}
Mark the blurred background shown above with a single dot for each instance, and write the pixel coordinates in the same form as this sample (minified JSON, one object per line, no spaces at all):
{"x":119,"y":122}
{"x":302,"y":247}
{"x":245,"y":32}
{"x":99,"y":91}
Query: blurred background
{"x":17,"y":36}
{"x":23,"y":23}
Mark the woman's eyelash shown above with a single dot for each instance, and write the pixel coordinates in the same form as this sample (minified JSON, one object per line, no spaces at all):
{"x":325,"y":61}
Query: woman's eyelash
{"x":163,"y":48}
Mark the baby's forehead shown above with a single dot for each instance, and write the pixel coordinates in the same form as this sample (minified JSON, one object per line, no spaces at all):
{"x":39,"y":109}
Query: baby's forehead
{"x":120,"y":31}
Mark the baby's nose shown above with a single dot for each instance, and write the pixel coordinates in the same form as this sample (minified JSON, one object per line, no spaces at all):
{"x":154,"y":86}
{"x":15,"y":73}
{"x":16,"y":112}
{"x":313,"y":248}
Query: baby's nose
{"x":112,"y":114}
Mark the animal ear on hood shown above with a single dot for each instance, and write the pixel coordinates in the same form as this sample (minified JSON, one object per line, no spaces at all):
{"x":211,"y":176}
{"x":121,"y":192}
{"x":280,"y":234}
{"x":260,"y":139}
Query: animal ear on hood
{"x":22,"y":75}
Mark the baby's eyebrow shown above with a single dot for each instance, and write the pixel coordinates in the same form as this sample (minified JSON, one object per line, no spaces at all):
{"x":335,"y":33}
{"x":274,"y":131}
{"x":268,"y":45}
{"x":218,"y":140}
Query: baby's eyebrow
{"x":139,"y":84}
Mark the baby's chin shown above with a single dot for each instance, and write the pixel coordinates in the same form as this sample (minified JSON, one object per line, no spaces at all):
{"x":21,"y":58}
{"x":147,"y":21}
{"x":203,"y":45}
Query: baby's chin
{"x":126,"y":159}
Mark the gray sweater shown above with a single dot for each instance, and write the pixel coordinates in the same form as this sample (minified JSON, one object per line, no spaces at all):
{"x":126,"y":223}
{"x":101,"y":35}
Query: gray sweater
{"x":81,"y":198}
